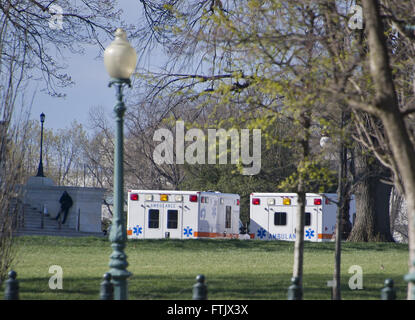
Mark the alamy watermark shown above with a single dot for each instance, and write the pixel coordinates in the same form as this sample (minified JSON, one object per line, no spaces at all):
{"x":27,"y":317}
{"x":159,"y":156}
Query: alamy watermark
{"x":56,"y":19}
{"x":172,"y":149}
{"x":355,"y":281}
{"x":356,"y":20}
{"x":56,"y":281}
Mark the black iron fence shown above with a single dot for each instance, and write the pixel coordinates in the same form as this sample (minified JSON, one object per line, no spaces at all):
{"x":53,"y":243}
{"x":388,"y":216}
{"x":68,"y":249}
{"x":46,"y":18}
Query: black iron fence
{"x":200,"y":291}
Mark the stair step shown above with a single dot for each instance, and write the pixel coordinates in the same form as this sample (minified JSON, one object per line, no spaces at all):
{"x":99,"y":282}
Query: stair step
{"x":32,"y":223}
{"x":65,"y":233}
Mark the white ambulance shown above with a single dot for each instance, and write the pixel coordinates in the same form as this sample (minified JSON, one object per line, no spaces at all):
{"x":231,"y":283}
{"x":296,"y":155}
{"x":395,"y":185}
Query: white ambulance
{"x":273,"y":216}
{"x":156,"y":214}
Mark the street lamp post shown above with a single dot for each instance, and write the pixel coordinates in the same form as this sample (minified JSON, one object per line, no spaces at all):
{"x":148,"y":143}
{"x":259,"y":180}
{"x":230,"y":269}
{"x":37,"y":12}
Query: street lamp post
{"x":40,"y":168}
{"x":120,"y":60}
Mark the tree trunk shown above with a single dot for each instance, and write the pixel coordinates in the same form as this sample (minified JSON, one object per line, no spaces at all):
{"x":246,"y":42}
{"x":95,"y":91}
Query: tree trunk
{"x":364,"y":226}
{"x":299,"y":234}
{"x":301,"y":202}
{"x":372,"y":203}
{"x":382,"y":219}
{"x":342,"y":211}
{"x":386,"y":107}
{"x":396,"y":207}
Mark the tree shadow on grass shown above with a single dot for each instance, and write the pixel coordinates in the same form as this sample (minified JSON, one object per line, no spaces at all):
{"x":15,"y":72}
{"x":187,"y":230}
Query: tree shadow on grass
{"x":79,"y":288}
{"x":254,"y":287}
{"x":220,"y":287}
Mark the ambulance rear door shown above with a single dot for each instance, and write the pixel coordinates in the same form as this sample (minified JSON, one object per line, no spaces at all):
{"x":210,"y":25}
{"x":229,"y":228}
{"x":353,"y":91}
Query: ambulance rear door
{"x":281,"y":220}
{"x":163,"y":218}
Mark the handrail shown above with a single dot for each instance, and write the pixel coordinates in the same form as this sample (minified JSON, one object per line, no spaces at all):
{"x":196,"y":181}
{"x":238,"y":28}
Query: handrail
{"x":42,"y":222}
{"x":78,"y":220}
{"x":22,"y":218}
{"x":60,"y":222}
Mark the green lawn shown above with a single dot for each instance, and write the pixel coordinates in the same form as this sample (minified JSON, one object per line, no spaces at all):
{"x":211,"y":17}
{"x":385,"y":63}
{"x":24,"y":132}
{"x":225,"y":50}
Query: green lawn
{"x":234,"y":269}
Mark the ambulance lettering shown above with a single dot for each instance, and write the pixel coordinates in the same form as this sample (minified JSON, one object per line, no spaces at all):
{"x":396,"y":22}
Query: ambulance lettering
{"x":156,"y":205}
{"x":281,"y":236}
{"x":163,"y":205}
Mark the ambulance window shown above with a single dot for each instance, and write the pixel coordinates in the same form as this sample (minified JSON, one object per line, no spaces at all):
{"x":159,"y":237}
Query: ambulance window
{"x":280,"y":218}
{"x":228,"y":217}
{"x":153,"y":218}
{"x":307,"y":219}
{"x":172,"y":219}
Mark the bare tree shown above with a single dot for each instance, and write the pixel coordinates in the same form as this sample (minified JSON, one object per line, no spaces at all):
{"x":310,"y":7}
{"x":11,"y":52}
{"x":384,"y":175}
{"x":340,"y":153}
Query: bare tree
{"x":28,"y":45}
{"x":385,"y":106}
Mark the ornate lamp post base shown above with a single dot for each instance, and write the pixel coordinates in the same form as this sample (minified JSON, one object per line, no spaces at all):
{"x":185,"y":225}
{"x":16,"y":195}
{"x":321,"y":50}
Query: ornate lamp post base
{"x":118,"y":271}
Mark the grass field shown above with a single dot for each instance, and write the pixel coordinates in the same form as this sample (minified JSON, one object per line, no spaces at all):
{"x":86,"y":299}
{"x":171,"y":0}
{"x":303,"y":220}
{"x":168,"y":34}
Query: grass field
{"x":234,"y":269}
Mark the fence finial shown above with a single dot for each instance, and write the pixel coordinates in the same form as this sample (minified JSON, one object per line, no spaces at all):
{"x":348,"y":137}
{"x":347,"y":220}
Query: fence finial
{"x":200,"y":288}
{"x":388,"y":292}
{"x":11,"y":291}
{"x":107,"y":288}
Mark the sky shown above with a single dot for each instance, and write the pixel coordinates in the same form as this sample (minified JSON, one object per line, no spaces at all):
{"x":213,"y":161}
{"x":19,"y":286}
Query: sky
{"x":90,"y":88}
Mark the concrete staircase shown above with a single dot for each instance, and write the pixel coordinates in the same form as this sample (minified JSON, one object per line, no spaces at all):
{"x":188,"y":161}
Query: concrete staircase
{"x":30,"y":223}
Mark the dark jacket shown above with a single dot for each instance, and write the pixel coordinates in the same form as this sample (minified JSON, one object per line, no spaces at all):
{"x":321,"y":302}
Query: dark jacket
{"x":66,"y":200}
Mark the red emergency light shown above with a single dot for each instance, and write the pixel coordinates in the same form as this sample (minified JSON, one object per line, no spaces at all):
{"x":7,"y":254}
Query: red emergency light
{"x":134,"y":196}
{"x":317,"y":202}
{"x":237,"y":202}
{"x":256,"y":201}
{"x":193,"y":198}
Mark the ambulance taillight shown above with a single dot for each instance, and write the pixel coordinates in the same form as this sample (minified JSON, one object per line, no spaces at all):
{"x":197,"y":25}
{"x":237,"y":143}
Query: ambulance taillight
{"x":317,"y":202}
{"x":134,"y":197}
{"x":193,"y":198}
{"x":237,"y":202}
{"x":256,"y":201}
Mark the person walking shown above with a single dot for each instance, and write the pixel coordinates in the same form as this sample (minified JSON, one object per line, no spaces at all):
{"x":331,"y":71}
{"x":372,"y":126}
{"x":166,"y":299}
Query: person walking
{"x":66,"y":203}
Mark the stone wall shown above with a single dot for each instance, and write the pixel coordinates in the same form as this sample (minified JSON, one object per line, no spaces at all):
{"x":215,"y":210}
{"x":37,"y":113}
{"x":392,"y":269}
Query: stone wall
{"x":87,"y":202}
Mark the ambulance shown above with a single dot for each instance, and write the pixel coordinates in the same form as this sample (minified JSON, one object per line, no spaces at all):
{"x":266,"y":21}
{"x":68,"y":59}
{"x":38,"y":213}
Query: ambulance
{"x":156,"y":214}
{"x":273,"y":216}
